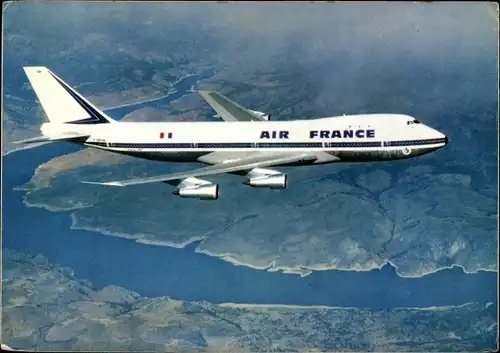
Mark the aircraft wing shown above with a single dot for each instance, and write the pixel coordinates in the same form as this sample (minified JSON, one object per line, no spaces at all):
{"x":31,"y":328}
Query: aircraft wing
{"x":220,"y":168}
{"x":227,"y":109}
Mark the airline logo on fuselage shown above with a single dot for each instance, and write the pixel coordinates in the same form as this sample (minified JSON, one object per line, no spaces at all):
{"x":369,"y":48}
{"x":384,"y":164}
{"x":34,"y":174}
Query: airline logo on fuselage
{"x":330,"y":134}
{"x":282,"y":134}
{"x":322,"y":134}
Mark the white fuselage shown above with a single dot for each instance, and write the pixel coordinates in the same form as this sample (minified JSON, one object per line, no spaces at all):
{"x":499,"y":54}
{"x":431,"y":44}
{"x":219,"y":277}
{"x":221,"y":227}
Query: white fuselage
{"x":245,"y":143}
{"x":369,"y":137}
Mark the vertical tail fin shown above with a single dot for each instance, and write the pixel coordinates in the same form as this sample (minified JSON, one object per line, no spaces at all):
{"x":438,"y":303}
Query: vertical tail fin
{"x":61,"y":103}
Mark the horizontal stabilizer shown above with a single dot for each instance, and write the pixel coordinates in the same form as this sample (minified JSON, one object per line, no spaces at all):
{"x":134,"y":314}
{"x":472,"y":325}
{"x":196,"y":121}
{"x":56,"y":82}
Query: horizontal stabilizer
{"x":61,"y":137}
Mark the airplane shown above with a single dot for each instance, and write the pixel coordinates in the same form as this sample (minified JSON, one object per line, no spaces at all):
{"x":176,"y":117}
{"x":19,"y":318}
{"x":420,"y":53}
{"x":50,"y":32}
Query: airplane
{"x":245,"y":143}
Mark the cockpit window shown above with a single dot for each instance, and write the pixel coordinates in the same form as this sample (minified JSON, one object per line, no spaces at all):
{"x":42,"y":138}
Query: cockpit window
{"x":416,"y":122}
{"x":409,"y":122}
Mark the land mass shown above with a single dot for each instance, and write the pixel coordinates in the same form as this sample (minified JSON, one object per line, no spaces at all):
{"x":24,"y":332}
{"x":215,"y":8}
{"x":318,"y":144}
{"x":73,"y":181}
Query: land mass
{"x":47,"y":307}
{"x":419,"y":215}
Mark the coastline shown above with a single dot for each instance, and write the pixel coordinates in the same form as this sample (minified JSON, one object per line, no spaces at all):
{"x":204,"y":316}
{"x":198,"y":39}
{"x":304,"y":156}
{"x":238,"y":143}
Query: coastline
{"x":182,"y":256}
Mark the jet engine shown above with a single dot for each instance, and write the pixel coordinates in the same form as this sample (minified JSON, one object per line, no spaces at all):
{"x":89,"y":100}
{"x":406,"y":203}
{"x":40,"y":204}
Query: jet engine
{"x":276,"y":181}
{"x":204,"y":192}
{"x":261,"y":114}
{"x":197,"y":189}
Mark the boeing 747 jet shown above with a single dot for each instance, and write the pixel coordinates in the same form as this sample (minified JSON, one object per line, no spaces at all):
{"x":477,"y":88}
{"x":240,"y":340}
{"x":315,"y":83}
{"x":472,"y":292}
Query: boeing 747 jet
{"x":246,"y":143}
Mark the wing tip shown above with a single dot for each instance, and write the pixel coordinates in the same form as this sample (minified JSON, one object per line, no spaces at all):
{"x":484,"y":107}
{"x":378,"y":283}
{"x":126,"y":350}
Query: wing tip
{"x":206,"y":92}
{"x":105,"y":183}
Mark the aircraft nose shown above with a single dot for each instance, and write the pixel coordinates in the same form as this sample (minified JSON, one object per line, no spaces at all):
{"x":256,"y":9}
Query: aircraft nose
{"x":442,"y":137}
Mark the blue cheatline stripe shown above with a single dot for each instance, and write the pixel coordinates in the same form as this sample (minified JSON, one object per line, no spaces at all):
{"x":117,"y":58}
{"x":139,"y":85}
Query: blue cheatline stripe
{"x":272,"y":145}
{"x":215,"y":145}
{"x":288,"y":144}
{"x":224,"y":145}
{"x":354,"y":144}
{"x":414,"y":142}
{"x":100,"y":144}
{"x":95,"y":116}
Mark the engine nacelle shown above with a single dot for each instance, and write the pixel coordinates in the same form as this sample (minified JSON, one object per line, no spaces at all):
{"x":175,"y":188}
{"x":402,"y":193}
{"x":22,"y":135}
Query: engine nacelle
{"x":277,"y":181}
{"x":202,"y":192}
{"x":262,"y":115}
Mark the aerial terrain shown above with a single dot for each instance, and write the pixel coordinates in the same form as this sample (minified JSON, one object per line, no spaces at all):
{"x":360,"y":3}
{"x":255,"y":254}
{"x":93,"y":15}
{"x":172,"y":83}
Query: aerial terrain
{"x":392,"y":256}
